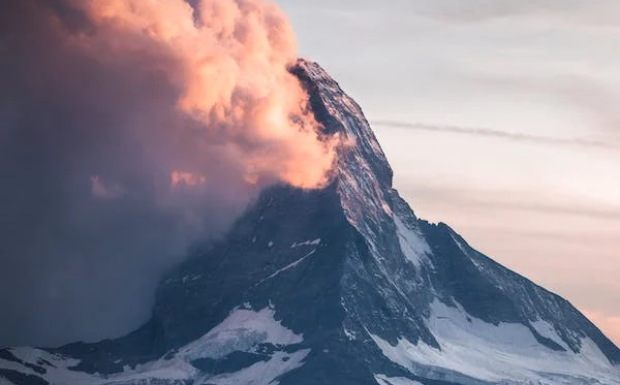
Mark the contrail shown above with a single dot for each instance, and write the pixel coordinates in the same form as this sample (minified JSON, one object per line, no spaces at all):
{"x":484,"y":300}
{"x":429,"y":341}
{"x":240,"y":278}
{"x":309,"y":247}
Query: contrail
{"x":490,"y":133}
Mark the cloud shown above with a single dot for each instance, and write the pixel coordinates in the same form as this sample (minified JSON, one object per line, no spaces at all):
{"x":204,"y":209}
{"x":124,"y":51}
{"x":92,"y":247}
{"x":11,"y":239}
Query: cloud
{"x":491,"y":133}
{"x":129,"y":129}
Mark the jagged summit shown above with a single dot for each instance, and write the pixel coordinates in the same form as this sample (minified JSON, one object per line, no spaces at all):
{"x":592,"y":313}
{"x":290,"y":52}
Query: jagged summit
{"x":343,"y":285}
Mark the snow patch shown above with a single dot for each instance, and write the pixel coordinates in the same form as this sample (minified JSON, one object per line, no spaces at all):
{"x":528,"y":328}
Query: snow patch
{"x":547,"y":330}
{"x":412,"y":243}
{"x":171,"y":370}
{"x":385,"y":380}
{"x":349,"y":334}
{"x":314,"y":242}
{"x":242,"y":330}
{"x":287,"y":267}
{"x":56,"y":373}
{"x":190,"y":278}
{"x":263,"y":373}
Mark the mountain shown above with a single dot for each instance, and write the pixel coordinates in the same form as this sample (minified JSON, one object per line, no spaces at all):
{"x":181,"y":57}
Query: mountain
{"x":342,"y":286}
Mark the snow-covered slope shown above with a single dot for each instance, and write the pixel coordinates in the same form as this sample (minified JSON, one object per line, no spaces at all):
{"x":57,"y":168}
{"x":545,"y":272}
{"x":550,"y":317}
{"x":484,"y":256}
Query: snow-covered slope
{"x":343,"y":285}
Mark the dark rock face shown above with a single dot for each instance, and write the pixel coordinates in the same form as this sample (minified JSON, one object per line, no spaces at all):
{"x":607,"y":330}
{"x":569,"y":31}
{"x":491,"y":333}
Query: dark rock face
{"x":343,"y":285}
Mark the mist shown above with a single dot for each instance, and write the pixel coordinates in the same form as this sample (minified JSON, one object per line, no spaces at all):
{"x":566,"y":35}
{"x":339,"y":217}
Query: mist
{"x":130,"y":129}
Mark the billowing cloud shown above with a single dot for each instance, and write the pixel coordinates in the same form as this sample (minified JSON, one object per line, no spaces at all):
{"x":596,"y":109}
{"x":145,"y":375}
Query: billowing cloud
{"x":129,"y":129}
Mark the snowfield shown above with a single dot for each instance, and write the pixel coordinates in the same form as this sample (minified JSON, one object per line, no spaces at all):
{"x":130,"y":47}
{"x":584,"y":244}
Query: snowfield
{"x":504,"y":353}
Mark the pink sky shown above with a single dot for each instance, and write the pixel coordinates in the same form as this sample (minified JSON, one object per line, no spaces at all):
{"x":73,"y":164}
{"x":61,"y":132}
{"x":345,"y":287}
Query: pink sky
{"x":549,"y":211}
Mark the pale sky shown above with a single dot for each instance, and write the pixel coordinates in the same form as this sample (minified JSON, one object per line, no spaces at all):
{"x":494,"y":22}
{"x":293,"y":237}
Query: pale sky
{"x":549,"y":68}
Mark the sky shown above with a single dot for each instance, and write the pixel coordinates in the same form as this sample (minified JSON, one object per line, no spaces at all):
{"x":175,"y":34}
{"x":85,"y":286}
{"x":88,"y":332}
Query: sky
{"x":499,"y":118}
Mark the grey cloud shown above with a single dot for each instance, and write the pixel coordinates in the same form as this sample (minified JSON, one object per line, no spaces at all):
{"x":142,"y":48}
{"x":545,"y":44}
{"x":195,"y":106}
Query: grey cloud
{"x":511,"y":136}
{"x":74,"y":265}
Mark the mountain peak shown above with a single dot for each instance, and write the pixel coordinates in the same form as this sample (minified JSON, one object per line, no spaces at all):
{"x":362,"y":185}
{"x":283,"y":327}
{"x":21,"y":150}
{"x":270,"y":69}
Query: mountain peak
{"x":327,"y":100}
{"x":342,"y":285}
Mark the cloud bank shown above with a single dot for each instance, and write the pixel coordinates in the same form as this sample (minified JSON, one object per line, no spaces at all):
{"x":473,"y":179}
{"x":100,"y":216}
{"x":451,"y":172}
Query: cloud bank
{"x":128,"y":130}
